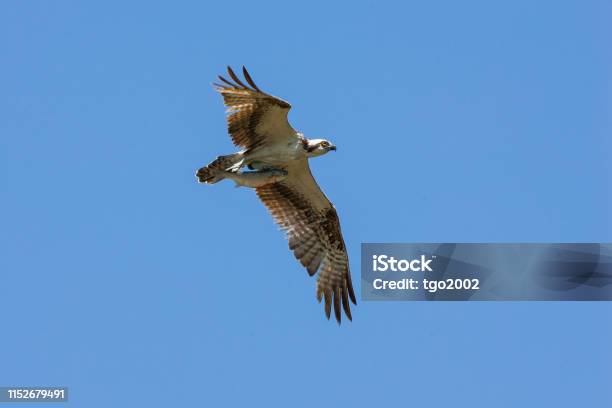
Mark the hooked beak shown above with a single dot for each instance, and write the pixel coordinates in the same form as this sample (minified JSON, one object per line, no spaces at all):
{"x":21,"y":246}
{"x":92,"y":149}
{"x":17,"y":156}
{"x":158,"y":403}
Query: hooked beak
{"x":332,"y":147}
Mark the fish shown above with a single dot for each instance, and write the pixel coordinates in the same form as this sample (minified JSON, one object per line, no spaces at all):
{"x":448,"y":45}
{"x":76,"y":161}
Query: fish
{"x":255,"y":179}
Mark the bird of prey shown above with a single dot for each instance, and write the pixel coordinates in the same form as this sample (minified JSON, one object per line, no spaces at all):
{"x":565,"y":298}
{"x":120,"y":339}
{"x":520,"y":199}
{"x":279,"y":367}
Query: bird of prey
{"x":278,"y":154}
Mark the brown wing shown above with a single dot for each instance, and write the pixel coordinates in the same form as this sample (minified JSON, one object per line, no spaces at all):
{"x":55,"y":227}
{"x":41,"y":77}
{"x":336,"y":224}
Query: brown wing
{"x":311,"y":223}
{"x":254,"y":117}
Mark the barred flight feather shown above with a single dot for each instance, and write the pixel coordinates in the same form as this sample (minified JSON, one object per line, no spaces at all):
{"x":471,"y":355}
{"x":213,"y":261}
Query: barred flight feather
{"x":311,"y":223}
{"x":254,"y":117}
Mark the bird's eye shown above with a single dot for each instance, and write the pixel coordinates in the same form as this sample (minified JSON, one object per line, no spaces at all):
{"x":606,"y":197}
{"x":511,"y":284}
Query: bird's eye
{"x":325,"y":144}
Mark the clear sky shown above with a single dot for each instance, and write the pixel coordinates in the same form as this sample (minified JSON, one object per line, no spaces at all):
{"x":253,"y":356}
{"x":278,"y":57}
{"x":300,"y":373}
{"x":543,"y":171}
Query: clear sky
{"x":128,"y":282}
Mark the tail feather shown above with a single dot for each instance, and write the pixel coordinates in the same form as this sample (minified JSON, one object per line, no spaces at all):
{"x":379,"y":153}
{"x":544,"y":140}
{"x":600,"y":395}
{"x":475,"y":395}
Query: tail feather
{"x":213,"y":173}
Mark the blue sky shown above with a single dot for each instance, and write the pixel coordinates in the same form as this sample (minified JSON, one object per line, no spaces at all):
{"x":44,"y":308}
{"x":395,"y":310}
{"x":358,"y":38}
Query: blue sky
{"x":128,"y":282}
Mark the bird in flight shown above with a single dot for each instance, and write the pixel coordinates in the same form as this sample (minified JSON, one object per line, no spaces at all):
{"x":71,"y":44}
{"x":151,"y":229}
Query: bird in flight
{"x":277,"y":156}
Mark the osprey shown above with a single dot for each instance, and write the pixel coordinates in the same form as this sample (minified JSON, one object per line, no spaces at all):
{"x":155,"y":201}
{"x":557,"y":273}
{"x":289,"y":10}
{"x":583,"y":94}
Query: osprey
{"x":278,"y":154}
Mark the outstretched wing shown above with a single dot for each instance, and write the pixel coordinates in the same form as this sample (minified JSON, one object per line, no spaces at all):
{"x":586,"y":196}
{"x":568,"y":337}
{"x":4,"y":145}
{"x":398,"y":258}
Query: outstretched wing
{"x":311,"y":223}
{"x":254,"y":118}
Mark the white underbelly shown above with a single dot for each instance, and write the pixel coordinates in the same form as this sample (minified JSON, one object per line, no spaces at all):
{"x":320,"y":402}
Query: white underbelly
{"x":276,"y":155}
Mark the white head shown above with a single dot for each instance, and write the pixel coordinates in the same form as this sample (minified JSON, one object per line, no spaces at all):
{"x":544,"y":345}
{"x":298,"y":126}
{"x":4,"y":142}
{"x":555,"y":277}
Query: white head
{"x":318,"y":147}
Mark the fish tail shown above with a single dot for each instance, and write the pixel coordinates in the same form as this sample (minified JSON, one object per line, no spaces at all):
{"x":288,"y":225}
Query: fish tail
{"x":217,"y":170}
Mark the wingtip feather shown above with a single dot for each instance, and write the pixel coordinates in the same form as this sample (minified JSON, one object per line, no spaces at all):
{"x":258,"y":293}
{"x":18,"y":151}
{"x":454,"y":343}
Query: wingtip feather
{"x":328,"y":302}
{"x":249,"y":79}
{"x":349,"y":285}
{"x":337,"y":306}
{"x":235,"y":77}
{"x":345,"y":304}
{"x":226,"y":81}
